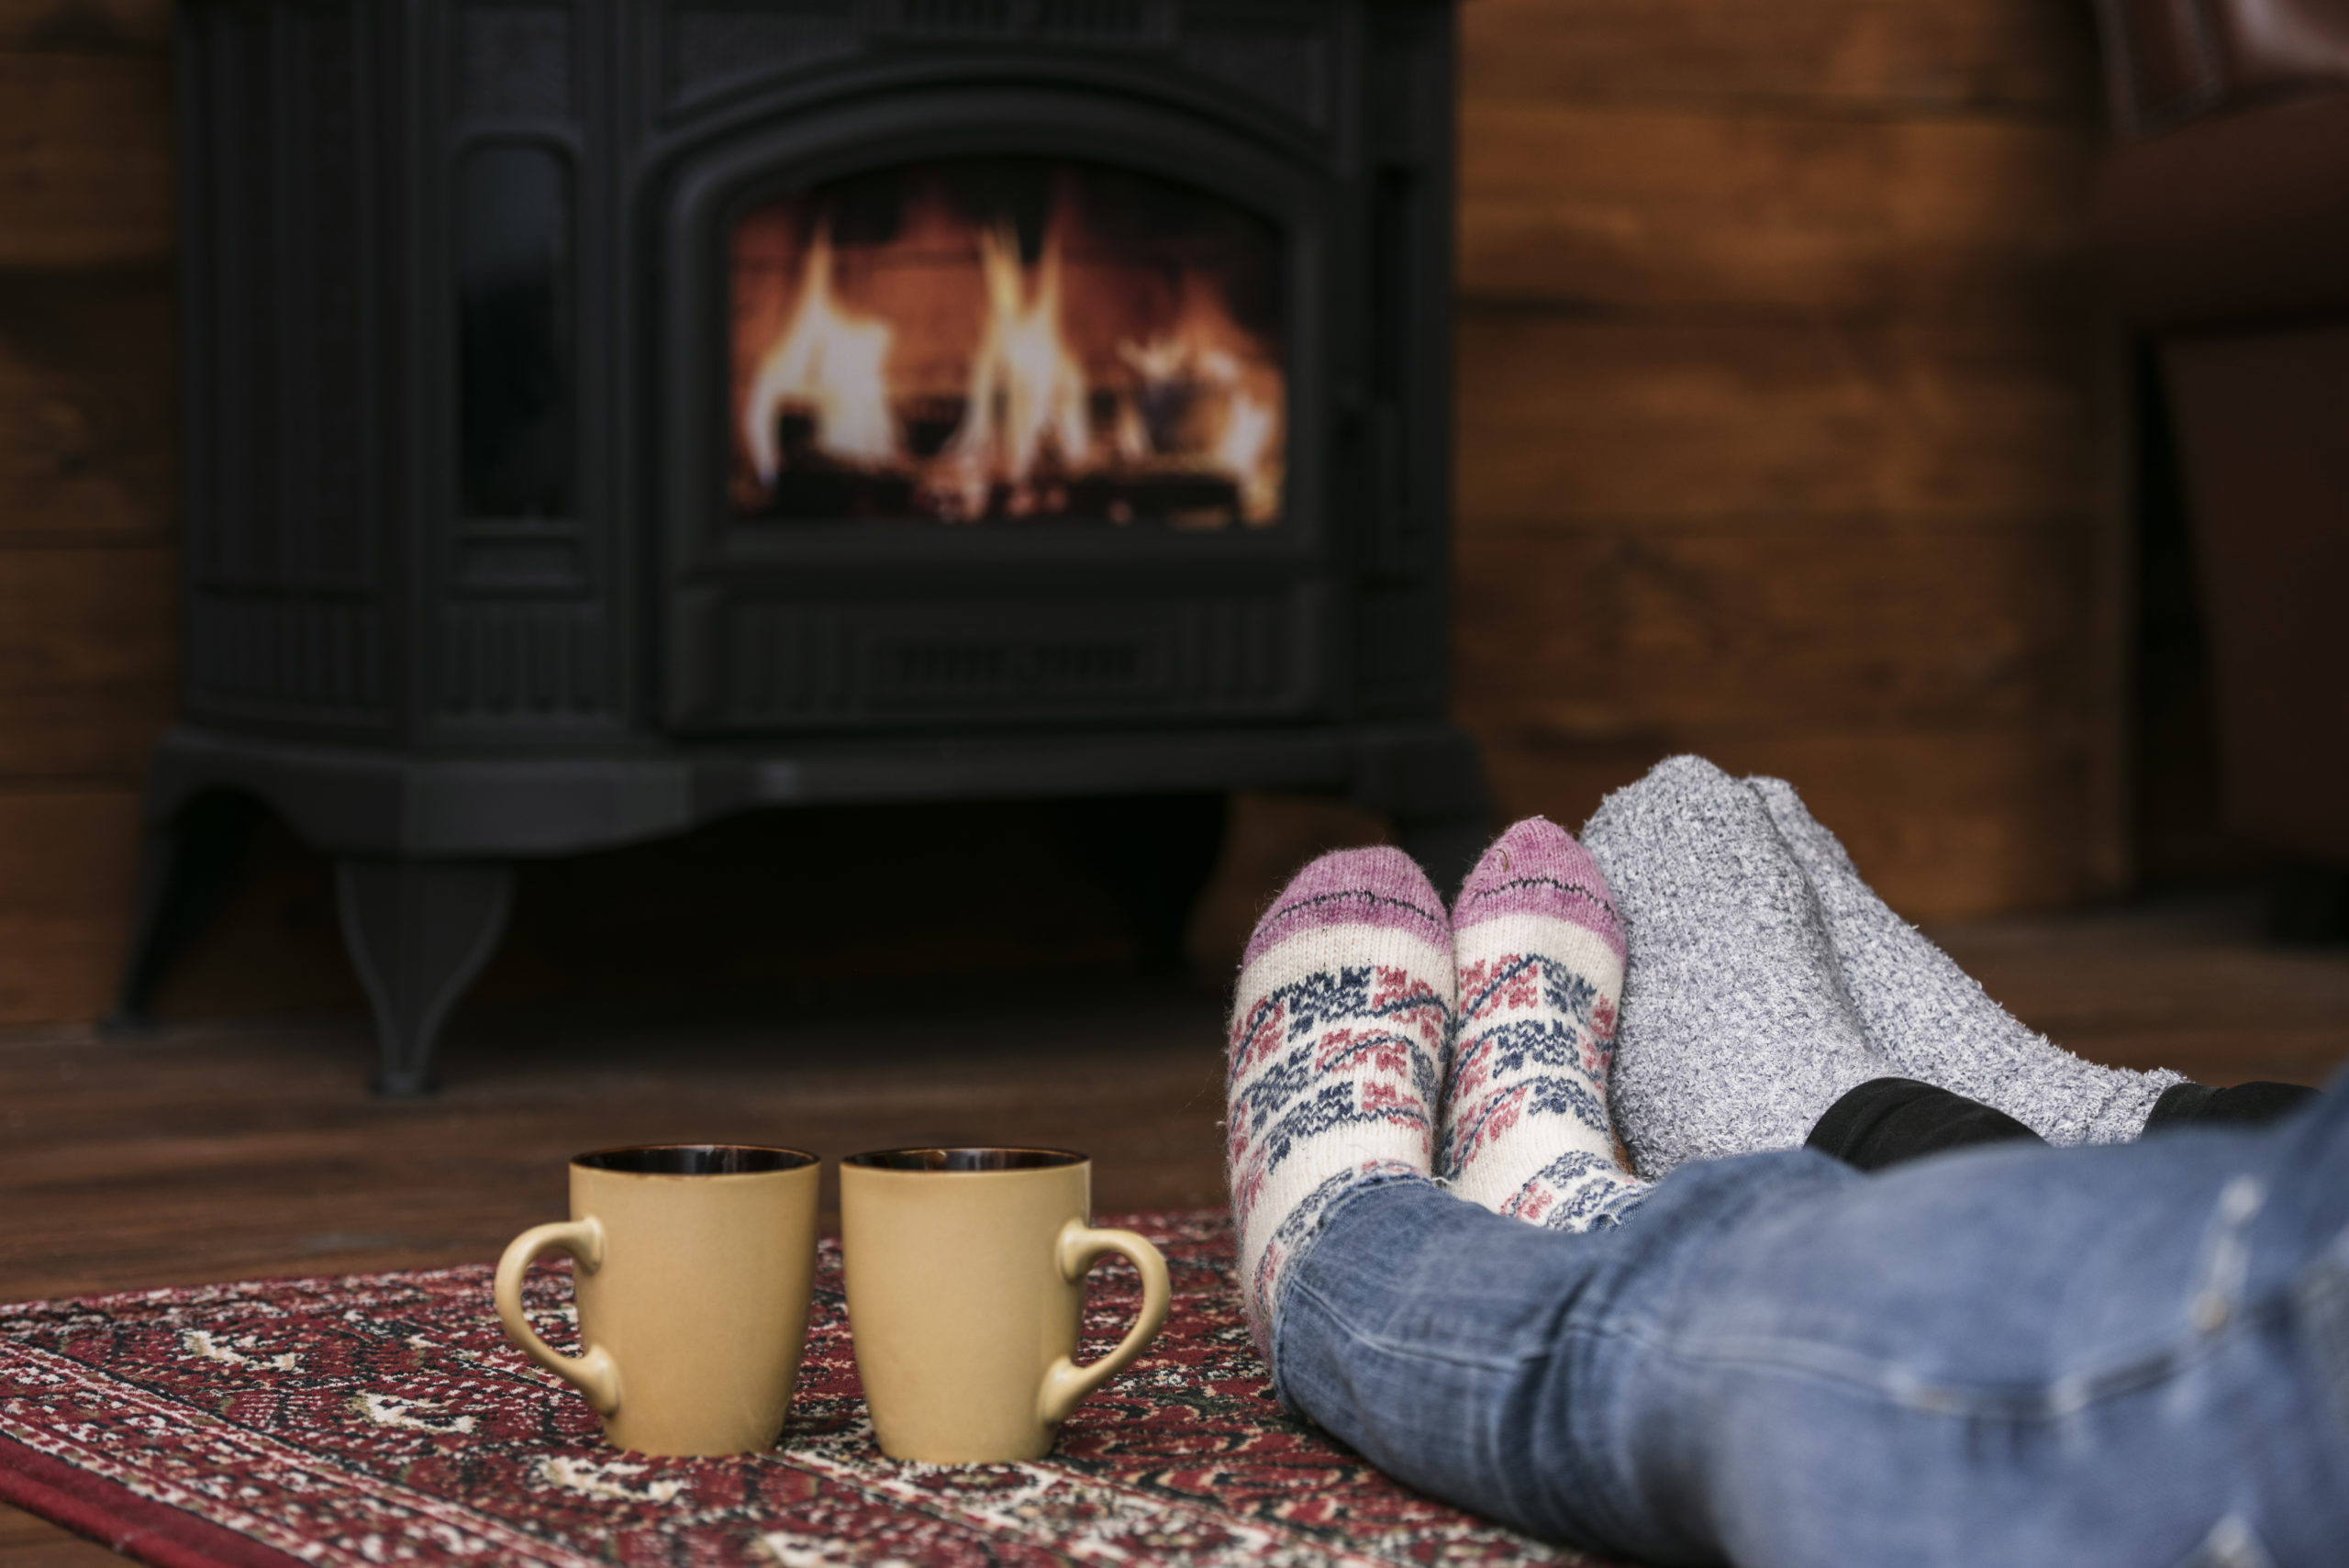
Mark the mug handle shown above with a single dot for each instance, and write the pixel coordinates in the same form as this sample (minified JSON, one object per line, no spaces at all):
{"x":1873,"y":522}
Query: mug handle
{"x":1065,"y":1383}
{"x":593,"y":1371}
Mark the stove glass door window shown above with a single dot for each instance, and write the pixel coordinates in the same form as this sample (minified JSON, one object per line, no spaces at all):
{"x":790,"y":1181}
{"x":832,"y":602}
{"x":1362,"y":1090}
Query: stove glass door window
{"x":1000,"y":341}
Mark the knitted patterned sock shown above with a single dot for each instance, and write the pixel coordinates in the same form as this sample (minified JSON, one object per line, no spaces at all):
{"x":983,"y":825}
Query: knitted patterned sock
{"x":1735,"y":1034}
{"x":1935,"y":1023}
{"x":1524,"y":1130}
{"x":1337,"y":1041}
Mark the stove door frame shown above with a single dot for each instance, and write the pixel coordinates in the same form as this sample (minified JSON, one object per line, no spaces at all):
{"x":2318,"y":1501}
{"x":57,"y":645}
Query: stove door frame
{"x":704,"y":555}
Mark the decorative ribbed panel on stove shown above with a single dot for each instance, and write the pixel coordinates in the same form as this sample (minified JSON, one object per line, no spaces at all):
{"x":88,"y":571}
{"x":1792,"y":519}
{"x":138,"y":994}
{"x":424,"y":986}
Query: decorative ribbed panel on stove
{"x":282,"y":494}
{"x":519,"y":663}
{"x":307,"y":659}
{"x":791,"y":664}
{"x":329,"y":352}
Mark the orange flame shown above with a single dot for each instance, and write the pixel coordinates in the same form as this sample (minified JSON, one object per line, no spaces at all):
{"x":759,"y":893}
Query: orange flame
{"x":1027,"y":390}
{"x":834,"y":363}
{"x":1246,"y":444}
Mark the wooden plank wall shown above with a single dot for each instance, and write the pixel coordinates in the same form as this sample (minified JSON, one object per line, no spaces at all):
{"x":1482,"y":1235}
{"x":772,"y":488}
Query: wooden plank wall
{"x":1785,"y":434}
{"x":1787,"y":427}
{"x":85,"y":480}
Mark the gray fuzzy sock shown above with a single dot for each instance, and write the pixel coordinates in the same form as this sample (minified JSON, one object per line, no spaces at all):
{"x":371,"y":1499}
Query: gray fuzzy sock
{"x":1734,"y":1033}
{"x":1932,"y":1020}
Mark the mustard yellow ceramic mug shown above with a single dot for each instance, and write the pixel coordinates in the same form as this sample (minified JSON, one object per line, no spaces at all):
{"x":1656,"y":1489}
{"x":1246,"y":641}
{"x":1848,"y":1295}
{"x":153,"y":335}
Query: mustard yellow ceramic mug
{"x":692,"y":1267}
{"x":965,"y":1273}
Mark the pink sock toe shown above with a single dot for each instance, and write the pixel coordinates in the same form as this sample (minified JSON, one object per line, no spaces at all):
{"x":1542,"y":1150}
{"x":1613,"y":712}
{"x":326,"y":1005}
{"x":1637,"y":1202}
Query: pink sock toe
{"x":1380,"y":886}
{"x":1539,"y":868}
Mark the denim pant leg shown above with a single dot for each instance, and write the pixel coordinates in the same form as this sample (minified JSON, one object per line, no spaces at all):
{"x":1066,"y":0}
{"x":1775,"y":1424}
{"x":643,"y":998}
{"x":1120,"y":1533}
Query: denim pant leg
{"x":2134,"y":1355}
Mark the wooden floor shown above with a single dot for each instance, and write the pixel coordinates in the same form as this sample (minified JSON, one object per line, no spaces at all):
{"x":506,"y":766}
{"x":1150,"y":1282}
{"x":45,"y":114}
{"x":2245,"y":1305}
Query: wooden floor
{"x":229,"y":1151}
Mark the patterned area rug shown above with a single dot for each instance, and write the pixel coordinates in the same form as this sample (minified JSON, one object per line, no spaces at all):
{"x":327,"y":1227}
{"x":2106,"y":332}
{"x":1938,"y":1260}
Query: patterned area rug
{"x":382,"y":1419}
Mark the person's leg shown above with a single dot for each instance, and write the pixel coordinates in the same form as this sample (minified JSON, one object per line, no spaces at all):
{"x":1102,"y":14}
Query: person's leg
{"x":1340,"y":1022}
{"x":1524,"y":1130}
{"x":1734,"y":1034}
{"x":2022,"y":1356}
{"x":1501,"y":1366}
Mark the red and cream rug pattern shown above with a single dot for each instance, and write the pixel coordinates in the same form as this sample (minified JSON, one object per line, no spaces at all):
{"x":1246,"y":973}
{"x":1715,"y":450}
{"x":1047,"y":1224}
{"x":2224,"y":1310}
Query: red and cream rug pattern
{"x":382,"y":1418}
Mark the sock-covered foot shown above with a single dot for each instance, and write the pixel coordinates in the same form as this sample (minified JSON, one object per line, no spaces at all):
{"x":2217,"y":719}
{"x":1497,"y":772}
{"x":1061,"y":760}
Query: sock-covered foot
{"x":1524,"y":1129}
{"x":1338,"y":1033}
{"x":1735,"y":1034}
{"x":1931,"y":1019}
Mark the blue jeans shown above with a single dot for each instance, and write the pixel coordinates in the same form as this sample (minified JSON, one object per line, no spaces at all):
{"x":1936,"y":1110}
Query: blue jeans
{"x":2135,"y":1354}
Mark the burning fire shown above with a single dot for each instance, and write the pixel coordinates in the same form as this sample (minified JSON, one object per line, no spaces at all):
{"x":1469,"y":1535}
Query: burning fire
{"x":969,"y":383}
{"x":831,"y":360}
{"x":1027,"y":389}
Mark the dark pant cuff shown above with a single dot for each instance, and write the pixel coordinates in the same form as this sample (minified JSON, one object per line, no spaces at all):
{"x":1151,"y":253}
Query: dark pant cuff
{"x":1887,"y":1121}
{"x":2183,"y":1104}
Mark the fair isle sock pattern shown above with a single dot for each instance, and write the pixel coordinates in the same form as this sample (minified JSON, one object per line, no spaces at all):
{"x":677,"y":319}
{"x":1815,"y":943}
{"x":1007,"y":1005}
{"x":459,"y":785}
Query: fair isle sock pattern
{"x":1338,"y":1032}
{"x":1578,"y":1191}
{"x":1735,"y":1033}
{"x":1540,"y":952}
{"x":1935,"y":1023}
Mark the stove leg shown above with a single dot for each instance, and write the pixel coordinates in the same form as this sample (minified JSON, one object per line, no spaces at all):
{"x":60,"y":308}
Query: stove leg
{"x":187,"y":867}
{"x":418,"y":932}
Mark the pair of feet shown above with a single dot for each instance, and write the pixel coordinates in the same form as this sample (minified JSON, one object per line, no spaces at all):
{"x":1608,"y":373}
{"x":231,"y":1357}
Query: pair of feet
{"x":1376,"y":1035}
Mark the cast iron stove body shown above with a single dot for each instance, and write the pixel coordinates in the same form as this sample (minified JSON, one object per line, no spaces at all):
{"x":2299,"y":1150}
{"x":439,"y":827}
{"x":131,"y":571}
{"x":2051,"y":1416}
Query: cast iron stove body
{"x":603,"y":417}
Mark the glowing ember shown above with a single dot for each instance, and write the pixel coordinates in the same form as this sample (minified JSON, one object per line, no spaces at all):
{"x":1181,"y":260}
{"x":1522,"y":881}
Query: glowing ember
{"x":911,"y":358}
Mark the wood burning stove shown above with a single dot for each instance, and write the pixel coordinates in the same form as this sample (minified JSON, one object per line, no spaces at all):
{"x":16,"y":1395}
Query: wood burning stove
{"x":602,"y":415}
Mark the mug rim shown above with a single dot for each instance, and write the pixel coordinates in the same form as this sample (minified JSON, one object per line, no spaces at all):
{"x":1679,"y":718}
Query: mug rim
{"x":908,"y":1161}
{"x":613,"y":1162}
